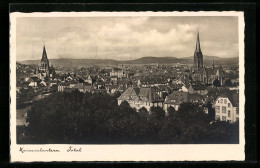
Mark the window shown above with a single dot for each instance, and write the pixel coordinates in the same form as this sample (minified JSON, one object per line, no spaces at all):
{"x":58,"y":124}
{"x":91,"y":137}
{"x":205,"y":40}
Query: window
{"x":218,"y":101}
{"x":223,"y":118}
{"x":228,"y":104}
{"x":237,"y":110}
{"x":228,"y":113}
{"x":217,"y":117}
{"x":225,"y":101}
{"x":217,"y":109}
{"x":223,"y":109}
{"x":221,"y":100}
{"x":237,"y":119}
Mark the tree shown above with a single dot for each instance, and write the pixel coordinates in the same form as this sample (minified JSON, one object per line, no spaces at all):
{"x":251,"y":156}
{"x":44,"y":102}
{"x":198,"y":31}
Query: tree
{"x":216,"y":83}
{"x":143,"y":113}
{"x":171,"y":111}
{"x":228,"y":83}
{"x":211,"y":111}
{"x":54,"y":88}
{"x":81,"y":80}
{"x":75,"y":117}
{"x":157,"y":112}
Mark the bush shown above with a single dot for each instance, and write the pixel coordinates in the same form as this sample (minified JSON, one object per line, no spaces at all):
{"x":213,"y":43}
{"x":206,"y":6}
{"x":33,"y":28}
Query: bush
{"x":84,"y":118}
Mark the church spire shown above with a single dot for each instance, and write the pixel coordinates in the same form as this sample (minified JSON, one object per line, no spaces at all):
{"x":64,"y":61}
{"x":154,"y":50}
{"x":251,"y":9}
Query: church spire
{"x":198,"y":57}
{"x":213,"y":65}
{"x":44,"y":54}
{"x":198,"y":43}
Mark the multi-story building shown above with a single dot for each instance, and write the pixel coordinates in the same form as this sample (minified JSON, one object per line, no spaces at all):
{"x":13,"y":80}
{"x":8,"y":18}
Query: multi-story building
{"x":227,"y":107}
{"x":197,"y":87}
{"x":178,"y":97}
{"x":120,"y":73}
{"x":141,"y":97}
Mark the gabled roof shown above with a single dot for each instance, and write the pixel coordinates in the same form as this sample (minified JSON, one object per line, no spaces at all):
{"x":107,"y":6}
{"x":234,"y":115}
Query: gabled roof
{"x":177,"y":97}
{"x":34,"y":79}
{"x":198,"y":86}
{"x":195,"y":97}
{"x":211,"y":71}
{"x":144,"y":94}
{"x":130,"y":94}
{"x":232,"y":96}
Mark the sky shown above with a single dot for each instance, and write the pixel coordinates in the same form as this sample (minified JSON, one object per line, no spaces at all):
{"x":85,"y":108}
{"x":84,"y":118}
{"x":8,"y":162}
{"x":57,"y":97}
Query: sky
{"x":125,"y":38}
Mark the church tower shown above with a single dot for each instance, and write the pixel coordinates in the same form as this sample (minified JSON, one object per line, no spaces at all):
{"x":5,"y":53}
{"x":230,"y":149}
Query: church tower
{"x":198,"y":57}
{"x":44,"y":62}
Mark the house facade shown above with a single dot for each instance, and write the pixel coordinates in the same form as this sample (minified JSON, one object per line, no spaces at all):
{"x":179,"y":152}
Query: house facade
{"x":141,"y":97}
{"x":120,"y":73}
{"x":178,"y":97}
{"x":227,"y":108}
{"x":198,"y":88}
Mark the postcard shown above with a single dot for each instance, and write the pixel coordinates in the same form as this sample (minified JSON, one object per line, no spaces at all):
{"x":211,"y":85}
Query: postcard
{"x":127,"y":86}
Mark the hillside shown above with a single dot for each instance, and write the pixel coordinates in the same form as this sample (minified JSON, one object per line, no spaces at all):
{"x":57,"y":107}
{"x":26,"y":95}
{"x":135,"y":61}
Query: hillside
{"x":144,"y":60}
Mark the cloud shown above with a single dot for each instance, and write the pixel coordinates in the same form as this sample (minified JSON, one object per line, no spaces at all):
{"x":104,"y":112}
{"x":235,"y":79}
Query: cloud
{"x":124,"y":37}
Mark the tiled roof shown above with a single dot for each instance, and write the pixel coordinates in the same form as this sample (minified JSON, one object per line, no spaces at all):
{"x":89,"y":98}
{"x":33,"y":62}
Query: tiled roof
{"x":213,"y":71}
{"x":232,"y":96}
{"x":129,"y":94}
{"x":198,"y":86}
{"x":196,"y":98}
{"x":177,"y":97}
{"x":144,"y":94}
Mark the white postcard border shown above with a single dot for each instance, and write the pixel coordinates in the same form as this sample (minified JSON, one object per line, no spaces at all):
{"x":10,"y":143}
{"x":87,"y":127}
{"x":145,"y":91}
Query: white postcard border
{"x":172,"y":152}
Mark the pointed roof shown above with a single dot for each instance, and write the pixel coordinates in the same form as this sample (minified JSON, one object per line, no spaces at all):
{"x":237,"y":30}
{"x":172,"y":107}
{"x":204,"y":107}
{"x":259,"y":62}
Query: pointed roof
{"x":44,"y":54}
{"x":198,"y":43}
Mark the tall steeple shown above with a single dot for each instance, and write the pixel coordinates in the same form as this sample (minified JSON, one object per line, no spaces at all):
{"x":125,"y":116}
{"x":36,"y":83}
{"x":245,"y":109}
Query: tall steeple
{"x":213,"y":65}
{"x":198,"y":57}
{"x":44,"y":54}
{"x":44,"y":61}
{"x":198,"y":43}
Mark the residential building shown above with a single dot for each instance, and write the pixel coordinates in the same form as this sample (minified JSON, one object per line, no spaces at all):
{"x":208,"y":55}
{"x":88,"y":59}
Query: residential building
{"x":141,"y":97}
{"x":120,"y":73}
{"x":178,"y":97}
{"x":227,"y":107}
{"x":197,"y":87}
{"x":62,"y":86}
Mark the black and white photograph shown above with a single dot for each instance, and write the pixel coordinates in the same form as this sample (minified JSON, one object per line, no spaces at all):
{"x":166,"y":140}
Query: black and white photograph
{"x":126,"y":81}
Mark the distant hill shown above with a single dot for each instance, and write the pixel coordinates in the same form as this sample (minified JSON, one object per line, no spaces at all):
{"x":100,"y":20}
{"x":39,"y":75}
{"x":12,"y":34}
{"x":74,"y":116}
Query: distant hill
{"x":144,"y":60}
{"x":207,"y":60}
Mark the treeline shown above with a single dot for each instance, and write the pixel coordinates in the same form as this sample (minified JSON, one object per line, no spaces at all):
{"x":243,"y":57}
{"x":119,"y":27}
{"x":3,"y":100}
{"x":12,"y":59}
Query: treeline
{"x":84,"y":118}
